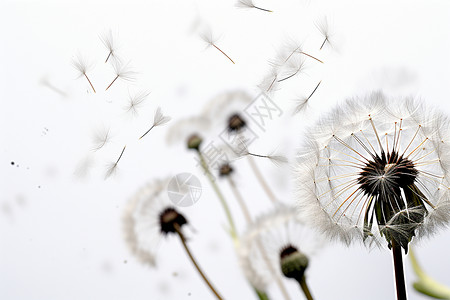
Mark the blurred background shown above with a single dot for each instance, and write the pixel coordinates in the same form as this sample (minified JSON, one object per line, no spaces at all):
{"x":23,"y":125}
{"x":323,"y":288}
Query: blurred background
{"x":60,"y":219}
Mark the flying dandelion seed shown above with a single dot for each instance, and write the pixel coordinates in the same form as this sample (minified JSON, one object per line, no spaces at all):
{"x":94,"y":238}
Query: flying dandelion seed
{"x":302,"y":104}
{"x":249,"y":4}
{"x":293,"y":67}
{"x":324,"y":29}
{"x":112,"y":167}
{"x":82,"y":65}
{"x":376,"y":170}
{"x":110,"y":44}
{"x":101,"y":138}
{"x":298,"y":48}
{"x":135,"y":102}
{"x":208,"y":38}
{"x":158,"y":120}
{"x":122,"y":71}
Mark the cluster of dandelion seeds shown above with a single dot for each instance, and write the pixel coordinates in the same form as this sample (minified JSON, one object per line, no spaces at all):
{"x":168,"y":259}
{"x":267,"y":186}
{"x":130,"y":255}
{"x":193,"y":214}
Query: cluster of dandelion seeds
{"x":376,"y":169}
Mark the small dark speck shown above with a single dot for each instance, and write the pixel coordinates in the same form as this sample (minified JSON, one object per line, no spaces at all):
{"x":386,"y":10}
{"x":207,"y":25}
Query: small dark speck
{"x":189,"y":294}
{"x":12,"y":163}
{"x":39,"y":186}
{"x":124,"y":261}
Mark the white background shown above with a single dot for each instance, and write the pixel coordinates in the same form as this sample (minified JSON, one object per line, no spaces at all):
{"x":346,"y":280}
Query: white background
{"x":60,"y":235}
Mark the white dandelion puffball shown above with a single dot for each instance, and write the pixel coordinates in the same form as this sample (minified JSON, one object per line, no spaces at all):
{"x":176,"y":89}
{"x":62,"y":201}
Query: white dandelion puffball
{"x":142,"y":225}
{"x":376,"y":170}
{"x":262,"y":244}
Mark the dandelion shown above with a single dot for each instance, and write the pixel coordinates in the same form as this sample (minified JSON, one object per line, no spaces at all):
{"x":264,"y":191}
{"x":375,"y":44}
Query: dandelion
{"x":82,"y":65}
{"x":148,"y":217}
{"x":123,"y":71}
{"x":249,"y":4}
{"x":377,"y":170}
{"x":287,"y":244}
{"x":110,"y":44}
{"x":324,"y":30}
{"x":135,"y":102}
{"x":158,"y":120}
{"x":112,"y":167}
{"x":208,"y":38}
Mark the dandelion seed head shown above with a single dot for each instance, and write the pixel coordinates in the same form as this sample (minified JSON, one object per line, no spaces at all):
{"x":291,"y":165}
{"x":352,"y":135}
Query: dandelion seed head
{"x":148,"y":216}
{"x":262,"y":245}
{"x":374,"y":170}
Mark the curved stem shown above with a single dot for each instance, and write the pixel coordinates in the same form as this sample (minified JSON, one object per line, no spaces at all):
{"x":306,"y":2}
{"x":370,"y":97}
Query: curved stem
{"x":240,"y":200}
{"x":261,"y":180}
{"x":183,"y":241}
{"x":398,"y":269}
{"x":305,"y":288}
{"x":219,"y":194}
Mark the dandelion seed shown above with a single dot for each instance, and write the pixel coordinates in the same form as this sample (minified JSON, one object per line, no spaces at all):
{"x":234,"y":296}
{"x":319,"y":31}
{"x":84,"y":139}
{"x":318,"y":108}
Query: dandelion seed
{"x":207,"y":37}
{"x":324,"y":29}
{"x":148,"y":218}
{"x":297,"y":48}
{"x":303,"y":103}
{"x":270,"y":83}
{"x":249,"y":4}
{"x":123,"y":71}
{"x":101,"y":138}
{"x":112,"y":167}
{"x":110,"y":44}
{"x":294,"y":67}
{"x":135,"y":102}
{"x":81,"y":64}
{"x":377,"y":171}
{"x":158,"y":120}
{"x":274,"y":158}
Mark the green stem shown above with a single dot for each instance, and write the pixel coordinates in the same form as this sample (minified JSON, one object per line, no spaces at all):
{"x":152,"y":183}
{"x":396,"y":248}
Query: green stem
{"x":398,"y":269}
{"x":261,"y":180}
{"x":194,"y":262}
{"x":305,"y":289}
{"x":219,"y":194}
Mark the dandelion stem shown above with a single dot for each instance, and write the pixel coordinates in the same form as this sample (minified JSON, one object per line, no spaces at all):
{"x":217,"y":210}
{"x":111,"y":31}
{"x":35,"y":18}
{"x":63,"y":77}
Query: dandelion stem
{"x":223,"y":53}
{"x":92,"y":86}
{"x":305,"y":288}
{"x":398,"y":269}
{"x":112,"y":82}
{"x":240,"y":200}
{"x":183,"y":241}
{"x":219,"y":194}
{"x":261,"y":180}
